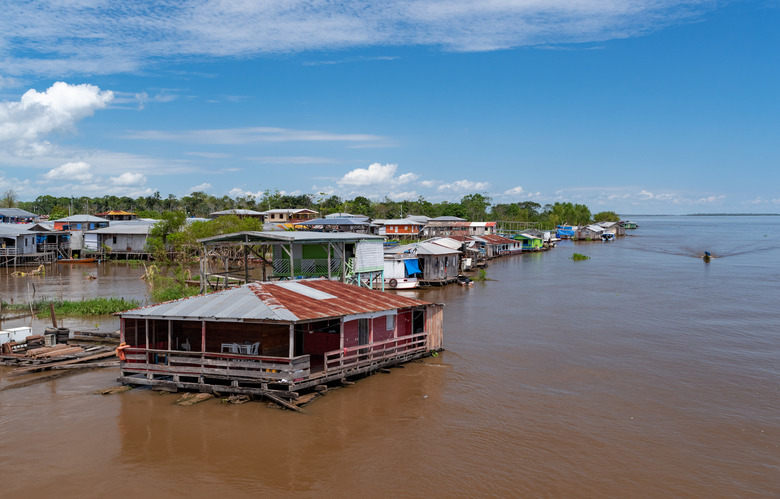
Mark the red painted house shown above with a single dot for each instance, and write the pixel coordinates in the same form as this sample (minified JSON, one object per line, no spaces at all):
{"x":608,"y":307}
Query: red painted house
{"x":274,"y":338}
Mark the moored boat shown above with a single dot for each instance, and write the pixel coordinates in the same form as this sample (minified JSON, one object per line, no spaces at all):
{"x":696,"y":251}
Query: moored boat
{"x":77,"y":260}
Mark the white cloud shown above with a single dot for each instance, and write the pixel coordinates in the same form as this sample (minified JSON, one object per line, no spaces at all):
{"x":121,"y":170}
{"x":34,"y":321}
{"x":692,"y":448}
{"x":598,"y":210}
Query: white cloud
{"x":38,"y":114}
{"x":200,"y":188}
{"x":105,"y":37}
{"x":239,"y":192}
{"x":711,"y":199}
{"x":515,"y":191}
{"x":250,"y":135}
{"x":128,"y":179}
{"x":70,"y":171}
{"x":463,"y":186}
{"x":375,"y":174}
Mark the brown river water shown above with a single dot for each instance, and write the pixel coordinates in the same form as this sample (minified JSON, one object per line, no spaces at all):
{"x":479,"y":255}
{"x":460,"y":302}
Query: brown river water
{"x":641,"y":372}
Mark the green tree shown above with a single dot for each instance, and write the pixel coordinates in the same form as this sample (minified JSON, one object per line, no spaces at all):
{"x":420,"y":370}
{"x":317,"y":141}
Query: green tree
{"x":475,"y":207}
{"x":606,"y":216}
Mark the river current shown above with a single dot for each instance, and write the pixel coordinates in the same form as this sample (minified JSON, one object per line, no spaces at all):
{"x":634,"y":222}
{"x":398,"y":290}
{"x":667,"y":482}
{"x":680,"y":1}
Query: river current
{"x":640,"y":372}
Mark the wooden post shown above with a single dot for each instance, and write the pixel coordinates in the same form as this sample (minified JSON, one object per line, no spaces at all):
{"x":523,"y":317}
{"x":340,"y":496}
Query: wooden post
{"x":53,"y":315}
{"x":246,"y":259}
{"x":146,"y":332}
{"x":292,"y":341}
{"x":203,"y":337}
{"x":292,"y":263}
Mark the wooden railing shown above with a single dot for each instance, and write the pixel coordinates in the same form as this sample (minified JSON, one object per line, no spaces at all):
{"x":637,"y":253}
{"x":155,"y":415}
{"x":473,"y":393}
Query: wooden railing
{"x":377,"y":352}
{"x":7,"y":251}
{"x":233,"y":366}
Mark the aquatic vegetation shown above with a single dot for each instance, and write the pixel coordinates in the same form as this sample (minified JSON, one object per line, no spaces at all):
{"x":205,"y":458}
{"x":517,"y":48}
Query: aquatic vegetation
{"x":82,"y":308}
{"x":481,"y":275}
{"x":579,"y":256}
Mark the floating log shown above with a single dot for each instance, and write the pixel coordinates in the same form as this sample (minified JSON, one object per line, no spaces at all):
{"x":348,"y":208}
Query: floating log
{"x":283,"y":402}
{"x":193,"y":398}
{"x":114,"y":389}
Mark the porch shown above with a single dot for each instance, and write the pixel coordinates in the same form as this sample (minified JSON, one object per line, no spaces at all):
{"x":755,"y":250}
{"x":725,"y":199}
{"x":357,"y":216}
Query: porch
{"x":261,"y":375}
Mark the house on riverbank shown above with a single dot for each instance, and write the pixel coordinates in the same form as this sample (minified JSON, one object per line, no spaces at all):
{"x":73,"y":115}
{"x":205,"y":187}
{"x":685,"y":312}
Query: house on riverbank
{"x":274,"y":338}
{"x":121,"y":239}
{"x":16,"y":216}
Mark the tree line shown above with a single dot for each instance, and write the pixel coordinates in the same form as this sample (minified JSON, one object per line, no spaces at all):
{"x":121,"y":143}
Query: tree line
{"x":473,"y":207}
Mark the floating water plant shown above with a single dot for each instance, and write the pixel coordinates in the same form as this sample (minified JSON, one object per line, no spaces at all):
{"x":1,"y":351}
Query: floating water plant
{"x":579,"y":256}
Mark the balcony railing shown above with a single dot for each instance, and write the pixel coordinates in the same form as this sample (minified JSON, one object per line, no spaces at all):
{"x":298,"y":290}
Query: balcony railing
{"x":374,"y":353}
{"x":230,"y":366}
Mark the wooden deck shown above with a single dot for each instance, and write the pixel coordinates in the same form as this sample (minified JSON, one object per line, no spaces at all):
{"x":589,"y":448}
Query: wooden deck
{"x":257,"y":375}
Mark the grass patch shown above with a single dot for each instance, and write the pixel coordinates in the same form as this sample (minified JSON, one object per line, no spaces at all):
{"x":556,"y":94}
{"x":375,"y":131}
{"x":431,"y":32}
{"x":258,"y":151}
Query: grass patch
{"x":480,"y":276}
{"x":579,"y":256}
{"x":83,"y":308}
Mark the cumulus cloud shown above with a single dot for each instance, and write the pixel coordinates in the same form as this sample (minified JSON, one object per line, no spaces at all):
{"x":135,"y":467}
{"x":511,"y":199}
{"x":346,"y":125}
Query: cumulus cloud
{"x":200,"y":188}
{"x":515,"y":191}
{"x":38,"y":114}
{"x":375,"y":174}
{"x":463,"y":186}
{"x":107,"y":37}
{"x":128,"y":179}
{"x":70,"y":171}
{"x":239,"y":192}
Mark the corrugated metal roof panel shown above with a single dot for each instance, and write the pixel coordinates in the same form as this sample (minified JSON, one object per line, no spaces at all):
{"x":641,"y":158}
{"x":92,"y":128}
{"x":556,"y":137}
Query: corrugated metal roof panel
{"x":280,"y":301}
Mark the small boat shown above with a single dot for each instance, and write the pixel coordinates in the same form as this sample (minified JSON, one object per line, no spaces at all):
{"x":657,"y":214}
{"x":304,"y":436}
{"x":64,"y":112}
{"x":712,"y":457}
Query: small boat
{"x":77,"y":260}
{"x":627,"y":224}
{"x":465,"y":281}
{"x":706,"y":256}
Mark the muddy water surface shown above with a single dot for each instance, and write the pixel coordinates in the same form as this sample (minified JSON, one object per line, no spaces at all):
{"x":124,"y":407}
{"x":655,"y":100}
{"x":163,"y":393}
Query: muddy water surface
{"x":642,"y":372}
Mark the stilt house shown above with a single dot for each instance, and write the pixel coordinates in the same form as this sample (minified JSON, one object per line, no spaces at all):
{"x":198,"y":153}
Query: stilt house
{"x":274,"y":338}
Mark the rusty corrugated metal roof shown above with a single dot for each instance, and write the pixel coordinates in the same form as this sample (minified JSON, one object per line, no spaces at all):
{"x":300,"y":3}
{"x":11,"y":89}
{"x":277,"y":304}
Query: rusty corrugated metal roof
{"x":285,"y":301}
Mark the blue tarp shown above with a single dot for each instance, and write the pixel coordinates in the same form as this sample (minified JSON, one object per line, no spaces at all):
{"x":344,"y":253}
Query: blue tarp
{"x":412,"y":267}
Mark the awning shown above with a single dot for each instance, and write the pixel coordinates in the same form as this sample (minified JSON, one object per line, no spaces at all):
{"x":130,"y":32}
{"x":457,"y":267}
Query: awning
{"x":412,"y":267}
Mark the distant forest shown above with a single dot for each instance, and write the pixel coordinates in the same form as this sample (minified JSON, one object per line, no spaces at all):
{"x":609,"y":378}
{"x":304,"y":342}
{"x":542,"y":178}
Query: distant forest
{"x":473,"y":207}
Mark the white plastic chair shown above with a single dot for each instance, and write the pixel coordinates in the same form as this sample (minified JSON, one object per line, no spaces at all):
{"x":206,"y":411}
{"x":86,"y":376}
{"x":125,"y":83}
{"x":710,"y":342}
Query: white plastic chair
{"x":254,"y":348}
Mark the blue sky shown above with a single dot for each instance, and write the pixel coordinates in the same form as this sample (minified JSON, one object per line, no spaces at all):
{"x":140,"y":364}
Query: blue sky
{"x":639,"y":106}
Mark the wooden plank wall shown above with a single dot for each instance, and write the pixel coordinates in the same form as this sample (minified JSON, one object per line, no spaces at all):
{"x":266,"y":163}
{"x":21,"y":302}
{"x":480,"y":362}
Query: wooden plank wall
{"x":434,"y":325}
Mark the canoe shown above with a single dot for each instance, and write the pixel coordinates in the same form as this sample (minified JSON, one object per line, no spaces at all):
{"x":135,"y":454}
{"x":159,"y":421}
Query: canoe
{"x":77,"y":260}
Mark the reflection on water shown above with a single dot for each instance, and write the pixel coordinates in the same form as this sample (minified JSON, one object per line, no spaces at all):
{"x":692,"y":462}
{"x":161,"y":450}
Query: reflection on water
{"x":635,"y":373}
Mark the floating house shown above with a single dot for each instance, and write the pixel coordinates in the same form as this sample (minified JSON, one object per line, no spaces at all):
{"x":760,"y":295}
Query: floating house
{"x":16,"y":216}
{"x":401,"y":271}
{"x":16,"y":239}
{"x":474,"y":228}
{"x":274,"y":339}
{"x":614,"y":228}
{"x":567,"y":231}
{"x":125,"y":239}
{"x":345,"y":256}
{"x":594,"y":232}
{"x":530,"y":242}
{"x":438,"y":264}
{"x":442,"y":226}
